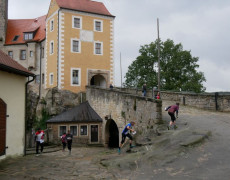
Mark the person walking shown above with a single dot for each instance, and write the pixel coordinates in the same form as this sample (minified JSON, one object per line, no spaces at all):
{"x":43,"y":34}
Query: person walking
{"x":144,"y":89}
{"x":171,"y":111}
{"x":64,"y":141}
{"x":125,"y":133}
{"x":39,"y":138}
{"x":69,"y":138}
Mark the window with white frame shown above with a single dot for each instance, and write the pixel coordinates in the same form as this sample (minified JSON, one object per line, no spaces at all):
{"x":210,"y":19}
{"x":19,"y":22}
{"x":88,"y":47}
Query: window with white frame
{"x":51,"y":25}
{"x":51,"y":47}
{"x":10,"y":53}
{"x":98,"y":25}
{"x":31,"y":53}
{"x":43,"y":52}
{"x":37,"y":79}
{"x":73,"y":130}
{"x":98,"y":48}
{"x":51,"y":79}
{"x":84,"y":130}
{"x":28,"y":36}
{"x":76,"y":22}
{"x":22,"y":54}
{"x":43,"y":78}
{"x":62,"y":129}
{"x":76,"y":46}
{"x":75,"y":77}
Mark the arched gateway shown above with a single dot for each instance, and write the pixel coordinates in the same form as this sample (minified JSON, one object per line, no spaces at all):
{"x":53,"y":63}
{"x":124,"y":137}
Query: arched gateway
{"x":111,"y":134}
{"x":98,"y":80}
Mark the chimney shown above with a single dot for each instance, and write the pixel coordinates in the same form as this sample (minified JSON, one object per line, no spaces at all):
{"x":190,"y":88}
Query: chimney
{"x":3,"y":20}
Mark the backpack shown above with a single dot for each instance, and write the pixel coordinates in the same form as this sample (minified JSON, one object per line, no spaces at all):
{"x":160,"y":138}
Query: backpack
{"x":63,"y":138}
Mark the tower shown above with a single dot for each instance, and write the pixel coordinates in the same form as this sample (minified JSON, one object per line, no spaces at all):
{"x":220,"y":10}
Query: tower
{"x":3,"y":20}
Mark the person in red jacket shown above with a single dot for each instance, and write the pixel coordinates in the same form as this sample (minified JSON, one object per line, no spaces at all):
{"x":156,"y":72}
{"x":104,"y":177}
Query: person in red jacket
{"x":39,"y":138}
{"x":171,"y":111}
{"x":158,"y":95}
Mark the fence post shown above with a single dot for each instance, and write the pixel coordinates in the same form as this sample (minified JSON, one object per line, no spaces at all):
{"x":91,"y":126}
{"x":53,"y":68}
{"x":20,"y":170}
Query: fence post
{"x":183,"y":100}
{"x":216,"y":100}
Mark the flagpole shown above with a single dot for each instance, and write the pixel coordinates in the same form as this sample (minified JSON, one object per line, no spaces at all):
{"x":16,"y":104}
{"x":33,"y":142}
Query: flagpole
{"x":121,"y":69}
{"x":158,"y":46}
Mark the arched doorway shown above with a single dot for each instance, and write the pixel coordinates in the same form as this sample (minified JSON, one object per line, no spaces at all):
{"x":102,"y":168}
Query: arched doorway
{"x":2,"y":127}
{"x":111,"y":134}
{"x":98,"y":80}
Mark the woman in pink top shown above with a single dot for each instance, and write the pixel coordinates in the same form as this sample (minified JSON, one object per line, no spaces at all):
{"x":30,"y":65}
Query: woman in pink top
{"x":171,"y":111}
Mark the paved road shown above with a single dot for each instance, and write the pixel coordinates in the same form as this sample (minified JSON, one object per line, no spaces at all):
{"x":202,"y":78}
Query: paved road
{"x":208,"y":161}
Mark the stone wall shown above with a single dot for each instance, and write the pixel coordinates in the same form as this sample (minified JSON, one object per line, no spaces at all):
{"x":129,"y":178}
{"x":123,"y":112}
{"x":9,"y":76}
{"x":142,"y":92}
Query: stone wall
{"x":124,"y":107}
{"x":210,"y":101}
{"x":219,"y":101}
{"x":57,"y":101}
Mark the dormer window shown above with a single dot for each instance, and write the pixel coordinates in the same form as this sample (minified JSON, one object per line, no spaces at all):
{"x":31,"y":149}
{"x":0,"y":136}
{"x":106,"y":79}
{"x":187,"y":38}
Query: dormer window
{"x":16,"y":38}
{"x":28,"y":36}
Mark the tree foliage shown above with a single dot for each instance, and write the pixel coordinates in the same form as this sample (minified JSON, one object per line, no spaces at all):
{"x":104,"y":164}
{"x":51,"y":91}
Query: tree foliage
{"x":178,"y":68}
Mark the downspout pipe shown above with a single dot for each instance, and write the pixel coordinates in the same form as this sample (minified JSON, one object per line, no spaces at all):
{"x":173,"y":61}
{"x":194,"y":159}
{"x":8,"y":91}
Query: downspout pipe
{"x":40,"y":84}
{"x":29,"y":81}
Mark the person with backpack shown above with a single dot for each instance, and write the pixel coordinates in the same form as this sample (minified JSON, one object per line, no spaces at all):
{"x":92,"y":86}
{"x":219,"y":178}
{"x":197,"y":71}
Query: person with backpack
{"x":64,"y":141}
{"x":171,"y":111}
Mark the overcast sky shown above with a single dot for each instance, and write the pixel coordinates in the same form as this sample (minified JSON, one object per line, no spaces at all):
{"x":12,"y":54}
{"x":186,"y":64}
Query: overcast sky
{"x":201,"y":26}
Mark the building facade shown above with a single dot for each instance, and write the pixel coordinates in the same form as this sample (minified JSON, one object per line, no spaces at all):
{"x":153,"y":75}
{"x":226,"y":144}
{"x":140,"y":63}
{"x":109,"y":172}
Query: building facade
{"x":83,"y":122}
{"x":79,"y":41}
{"x":13,"y":80}
{"x":70,"y":47}
{"x":24,"y":41}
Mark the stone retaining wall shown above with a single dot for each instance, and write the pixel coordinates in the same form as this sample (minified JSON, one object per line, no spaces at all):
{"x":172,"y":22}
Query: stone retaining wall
{"x":219,"y":101}
{"x":209,"y":101}
{"x":124,"y":107}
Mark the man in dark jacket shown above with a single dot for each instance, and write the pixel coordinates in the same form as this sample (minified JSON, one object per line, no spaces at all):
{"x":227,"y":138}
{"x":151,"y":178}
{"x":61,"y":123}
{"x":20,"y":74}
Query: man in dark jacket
{"x":69,"y":138}
{"x":144,"y":89}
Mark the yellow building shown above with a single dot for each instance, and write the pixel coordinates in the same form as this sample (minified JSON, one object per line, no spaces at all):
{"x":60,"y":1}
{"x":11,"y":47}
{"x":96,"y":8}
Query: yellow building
{"x":79,"y":45}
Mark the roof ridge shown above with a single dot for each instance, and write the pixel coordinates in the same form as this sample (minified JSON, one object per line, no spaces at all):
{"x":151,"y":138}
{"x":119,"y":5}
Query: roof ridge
{"x":10,"y":65}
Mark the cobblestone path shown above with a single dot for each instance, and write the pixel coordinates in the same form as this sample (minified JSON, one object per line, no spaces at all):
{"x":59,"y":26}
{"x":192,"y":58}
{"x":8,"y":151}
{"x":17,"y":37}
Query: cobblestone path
{"x":83,"y":163}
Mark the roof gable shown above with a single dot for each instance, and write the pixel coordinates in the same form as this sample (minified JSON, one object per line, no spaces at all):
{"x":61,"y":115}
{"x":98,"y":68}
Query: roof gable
{"x":84,"y":6}
{"x":53,"y":7}
{"x":81,"y":113}
{"x":10,"y":65}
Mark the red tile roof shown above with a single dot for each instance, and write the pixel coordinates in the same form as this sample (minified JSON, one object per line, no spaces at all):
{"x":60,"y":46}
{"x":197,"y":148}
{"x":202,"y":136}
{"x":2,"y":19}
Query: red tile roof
{"x":85,"y":6}
{"x":19,"y":26}
{"x":10,"y":65}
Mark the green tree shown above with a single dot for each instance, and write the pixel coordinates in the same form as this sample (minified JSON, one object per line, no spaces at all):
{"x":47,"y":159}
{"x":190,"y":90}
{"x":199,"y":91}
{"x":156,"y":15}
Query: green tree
{"x":178,"y":68}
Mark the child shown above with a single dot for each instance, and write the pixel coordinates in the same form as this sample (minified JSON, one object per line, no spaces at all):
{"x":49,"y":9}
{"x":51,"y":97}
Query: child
{"x":64,"y":141}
